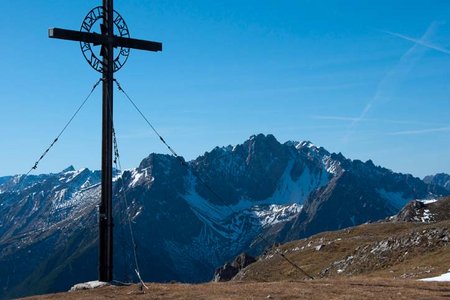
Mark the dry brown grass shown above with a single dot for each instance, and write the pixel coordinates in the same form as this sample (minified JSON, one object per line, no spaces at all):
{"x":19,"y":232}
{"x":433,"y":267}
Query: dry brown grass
{"x":355,"y":288}
{"x":419,"y":263}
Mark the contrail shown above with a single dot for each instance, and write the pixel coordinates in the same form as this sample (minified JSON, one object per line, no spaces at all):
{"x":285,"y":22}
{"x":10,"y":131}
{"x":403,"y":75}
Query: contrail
{"x":419,"y":42}
{"x":392,"y":121}
{"x":388,"y":83}
{"x":421,"y":131}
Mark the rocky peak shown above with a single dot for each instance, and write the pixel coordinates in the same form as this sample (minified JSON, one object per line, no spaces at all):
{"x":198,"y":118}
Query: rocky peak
{"x":411,"y":212}
{"x":305,"y":144}
{"x":252,"y":168}
{"x":162,"y":168}
{"x":68,"y":169}
{"x":262,"y":146}
{"x":160,"y":163}
{"x":440,"y":179}
{"x":425,"y":211}
{"x":262,"y":138}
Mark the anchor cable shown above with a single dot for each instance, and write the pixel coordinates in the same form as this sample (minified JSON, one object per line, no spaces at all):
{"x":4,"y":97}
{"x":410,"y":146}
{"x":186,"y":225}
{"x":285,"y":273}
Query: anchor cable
{"x":174,"y":153}
{"x":183,"y":162}
{"x":124,"y":196}
{"x":277,"y":251}
{"x":133,"y":240}
{"x":64,"y":128}
{"x":146,"y":120}
{"x":22,"y":178}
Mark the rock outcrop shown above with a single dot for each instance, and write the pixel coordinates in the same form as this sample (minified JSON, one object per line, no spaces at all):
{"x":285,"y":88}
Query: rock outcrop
{"x":229,"y":270}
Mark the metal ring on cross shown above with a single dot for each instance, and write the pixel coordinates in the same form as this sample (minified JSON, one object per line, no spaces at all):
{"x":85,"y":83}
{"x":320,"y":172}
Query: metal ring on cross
{"x":120,"y":27}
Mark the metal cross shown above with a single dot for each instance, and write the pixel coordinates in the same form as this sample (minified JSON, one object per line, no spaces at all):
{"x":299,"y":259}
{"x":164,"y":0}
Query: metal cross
{"x":107,"y":66}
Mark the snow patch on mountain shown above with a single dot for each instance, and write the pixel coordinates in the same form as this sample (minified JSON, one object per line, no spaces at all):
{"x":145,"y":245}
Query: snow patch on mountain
{"x":237,"y":220}
{"x":136,"y":177}
{"x":307,"y":144}
{"x":331,"y":166}
{"x":428,"y":201}
{"x":75,"y":204}
{"x":443,"y":278}
{"x":140,"y":176}
{"x":427,"y":216}
{"x":273,"y":214}
{"x":68,"y":176}
{"x":288,"y":193}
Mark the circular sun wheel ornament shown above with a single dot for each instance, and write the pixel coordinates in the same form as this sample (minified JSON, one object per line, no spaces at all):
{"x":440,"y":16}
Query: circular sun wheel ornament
{"x":120,"y":27}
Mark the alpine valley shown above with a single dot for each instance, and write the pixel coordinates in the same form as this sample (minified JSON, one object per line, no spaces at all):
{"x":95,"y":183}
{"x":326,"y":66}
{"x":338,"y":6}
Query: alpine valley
{"x":190,"y":218}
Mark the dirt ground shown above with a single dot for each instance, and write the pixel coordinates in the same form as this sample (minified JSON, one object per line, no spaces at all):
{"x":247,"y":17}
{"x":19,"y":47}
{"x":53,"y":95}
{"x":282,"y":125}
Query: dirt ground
{"x":354,"y":288}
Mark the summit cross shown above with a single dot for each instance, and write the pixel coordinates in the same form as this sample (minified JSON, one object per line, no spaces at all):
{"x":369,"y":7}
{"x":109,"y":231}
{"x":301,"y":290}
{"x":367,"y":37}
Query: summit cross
{"x":107,"y":66}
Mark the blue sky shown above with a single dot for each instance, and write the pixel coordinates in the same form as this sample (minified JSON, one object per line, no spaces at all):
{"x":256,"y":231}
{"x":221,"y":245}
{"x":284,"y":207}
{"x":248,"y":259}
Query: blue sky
{"x":370,"y":79}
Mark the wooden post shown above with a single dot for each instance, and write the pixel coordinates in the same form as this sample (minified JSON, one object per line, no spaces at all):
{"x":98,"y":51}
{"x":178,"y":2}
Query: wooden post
{"x":106,"y":222}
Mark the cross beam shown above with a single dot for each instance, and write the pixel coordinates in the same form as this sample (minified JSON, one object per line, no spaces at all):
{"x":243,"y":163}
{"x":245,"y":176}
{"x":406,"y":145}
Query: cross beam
{"x":108,"y":41}
{"x":95,"y":38}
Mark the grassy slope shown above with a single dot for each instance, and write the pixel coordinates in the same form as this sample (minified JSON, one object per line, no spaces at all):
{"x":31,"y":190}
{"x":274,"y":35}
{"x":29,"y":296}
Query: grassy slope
{"x":420,"y":260}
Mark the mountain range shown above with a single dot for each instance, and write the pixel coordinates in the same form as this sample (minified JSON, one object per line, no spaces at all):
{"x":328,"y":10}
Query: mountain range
{"x":189,"y":218}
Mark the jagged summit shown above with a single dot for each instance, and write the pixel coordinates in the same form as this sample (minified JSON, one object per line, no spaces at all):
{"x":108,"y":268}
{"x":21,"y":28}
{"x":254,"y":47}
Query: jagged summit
{"x":156,"y":159}
{"x":68,"y":169}
{"x":307,"y":144}
{"x":440,"y":179}
{"x":262,"y":138}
